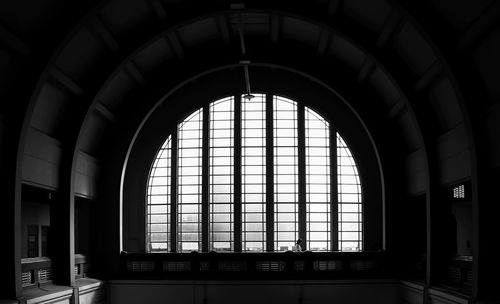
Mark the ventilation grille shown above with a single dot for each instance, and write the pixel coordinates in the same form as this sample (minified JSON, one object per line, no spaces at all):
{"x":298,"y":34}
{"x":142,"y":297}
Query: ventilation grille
{"x":459,"y":192}
{"x":327,"y":265}
{"x":453,"y":274}
{"x":299,"y":266}
{"x":27,"y":278}
{"x":204,"y":266}
{"x":85,"y":268}
{"x":270,"y":266}
{"x":76,"y":270}
{"x":231,"y":266}
{"x":176,"y":266}
{"x":469,"y":277}
{"x":44,"y":275}
{"x":140,"y":266}
{"x":358,"y":265}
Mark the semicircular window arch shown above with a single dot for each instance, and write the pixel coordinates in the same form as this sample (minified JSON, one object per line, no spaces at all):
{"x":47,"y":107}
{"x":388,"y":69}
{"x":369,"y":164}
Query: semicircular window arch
{"x":254,"y":175}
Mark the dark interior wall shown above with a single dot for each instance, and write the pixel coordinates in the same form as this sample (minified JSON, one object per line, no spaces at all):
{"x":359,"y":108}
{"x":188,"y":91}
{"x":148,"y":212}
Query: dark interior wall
{"x":247,"y":292}
{"x":41,"y":160}
{"x":412,"y":243}
{"x":83,"y":223}
{"x":462,"y":212}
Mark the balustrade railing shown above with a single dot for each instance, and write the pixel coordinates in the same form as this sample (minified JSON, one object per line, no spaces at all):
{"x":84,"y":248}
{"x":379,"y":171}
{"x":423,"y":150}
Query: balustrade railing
{"x":39,"y":270}
{"x":459,"y":274}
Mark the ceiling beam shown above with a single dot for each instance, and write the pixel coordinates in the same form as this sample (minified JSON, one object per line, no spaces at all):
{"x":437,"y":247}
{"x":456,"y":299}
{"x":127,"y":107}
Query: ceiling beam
{"x":104,"y":34}
{"x":392,"y":24}
{"x":397,"y":109}
{"x":47,"y":137}
{"x":333,"y":7}
{"x":366,"y":69}
{"x":66,"y":81}
{"x":480,"y":28}
{"x":13,"y":42}
{"x":159,"y":10}
{"x":430,"y":75}
{"x":175,"y":43}
{"x":324,"y":39}
{"x":105,"y":112}
{"x":223,"y":27}
{"x":135,"y":73}
{"x":275,"y":27}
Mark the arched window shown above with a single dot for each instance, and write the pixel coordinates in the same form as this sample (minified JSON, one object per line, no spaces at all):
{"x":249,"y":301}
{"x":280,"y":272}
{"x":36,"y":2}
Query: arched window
{"x":254,"y":175}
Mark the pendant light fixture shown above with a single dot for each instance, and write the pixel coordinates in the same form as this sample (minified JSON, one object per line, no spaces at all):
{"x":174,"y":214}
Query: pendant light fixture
{"x":244,"y":62}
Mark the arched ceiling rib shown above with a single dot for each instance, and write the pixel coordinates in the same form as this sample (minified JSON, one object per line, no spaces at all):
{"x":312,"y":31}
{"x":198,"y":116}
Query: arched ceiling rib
{"x":118,"y":48}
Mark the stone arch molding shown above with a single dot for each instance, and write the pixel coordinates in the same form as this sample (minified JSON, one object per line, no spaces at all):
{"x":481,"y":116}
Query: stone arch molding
{"x":97,"y":67}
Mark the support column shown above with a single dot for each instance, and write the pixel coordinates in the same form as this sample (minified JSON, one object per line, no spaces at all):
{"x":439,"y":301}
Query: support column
{"x":62,"y":225}
{"x":10,"y":213}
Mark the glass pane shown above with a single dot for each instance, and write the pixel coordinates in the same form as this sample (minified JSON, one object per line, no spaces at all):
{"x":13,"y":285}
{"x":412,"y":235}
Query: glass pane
{"x":349,"y":191}
{"x":317,"y":181}
{"x":286,"y":172}
{"x":221,"y":145}
{"x":158,"y":201}
{"x":190,"y":134}
{"x":253,"y":177}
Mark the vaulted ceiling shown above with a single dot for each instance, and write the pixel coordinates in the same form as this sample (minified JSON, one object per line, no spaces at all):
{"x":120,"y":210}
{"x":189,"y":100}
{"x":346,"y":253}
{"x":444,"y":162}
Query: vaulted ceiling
{"x":79,"y":79}
{"x":428,"y":70}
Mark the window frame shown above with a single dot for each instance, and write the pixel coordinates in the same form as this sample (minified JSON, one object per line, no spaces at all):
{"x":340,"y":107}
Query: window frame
{"x":237,"y":209}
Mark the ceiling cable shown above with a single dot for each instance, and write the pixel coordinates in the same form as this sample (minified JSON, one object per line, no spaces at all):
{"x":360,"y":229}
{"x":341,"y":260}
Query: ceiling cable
{"x":248,"y":96}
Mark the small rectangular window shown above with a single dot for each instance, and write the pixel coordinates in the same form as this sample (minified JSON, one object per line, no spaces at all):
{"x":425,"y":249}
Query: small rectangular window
{"x":45,"y":240}
{"x":32,"y":241}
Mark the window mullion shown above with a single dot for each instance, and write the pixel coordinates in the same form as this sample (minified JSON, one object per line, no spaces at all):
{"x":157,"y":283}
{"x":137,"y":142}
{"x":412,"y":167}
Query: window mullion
{"x":334,"y":198}
{"x":269,"y":174}
{"x":301,"y":133}
{"x":205,"y":201}
{"x":173,"y":192}
{"x":237,"y":174}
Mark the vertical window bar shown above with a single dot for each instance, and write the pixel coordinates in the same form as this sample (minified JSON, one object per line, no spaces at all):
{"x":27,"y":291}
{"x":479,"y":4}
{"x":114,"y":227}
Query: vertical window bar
{"x":158,"y":200}
{"x":221,"y":211}
{"x":253,"y":174}
{"x":205,"y":200}
{"x":301,"y":133}
{"x":173,"y":197}
{"x":269,"y":174}
{"x":334,"y":201}
{"x":285,"y":173}
{"x":237,"y":175}
{"x":318,"y":182}
{"x":349,"y":195}
{"x":189,"y":187}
